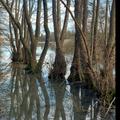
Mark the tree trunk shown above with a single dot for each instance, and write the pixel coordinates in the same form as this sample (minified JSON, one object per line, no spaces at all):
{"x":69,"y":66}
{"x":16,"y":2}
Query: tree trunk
{"x":76,"y":72}
{"x":42,"y":57}
{"x":106,"y":19}
{"x":34,"y":39}
{"x":84,"y":51}
{"x":96,"y":32}
{"x":85,"y":16}
{"x":108,"y":55}
{"x":92,"y":29}
{"x":16,"y":53}
{"x":59,"y":66}
{"x":65,"y":23}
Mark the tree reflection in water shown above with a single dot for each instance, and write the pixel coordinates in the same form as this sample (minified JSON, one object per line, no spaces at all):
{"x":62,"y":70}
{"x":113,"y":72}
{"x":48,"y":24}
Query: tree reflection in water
{"x":32,"y":97}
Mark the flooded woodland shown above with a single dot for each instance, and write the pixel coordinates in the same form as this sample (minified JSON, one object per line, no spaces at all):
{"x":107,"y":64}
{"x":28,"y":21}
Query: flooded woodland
{"x":57,"y":60}
{"x":25,"y":96}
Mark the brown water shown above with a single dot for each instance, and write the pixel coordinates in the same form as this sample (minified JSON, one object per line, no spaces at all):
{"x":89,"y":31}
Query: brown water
{"x":26,"y":96}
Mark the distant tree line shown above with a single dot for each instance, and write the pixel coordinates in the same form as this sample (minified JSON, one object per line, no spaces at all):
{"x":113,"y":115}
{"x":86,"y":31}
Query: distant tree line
{"x":68,"y":35}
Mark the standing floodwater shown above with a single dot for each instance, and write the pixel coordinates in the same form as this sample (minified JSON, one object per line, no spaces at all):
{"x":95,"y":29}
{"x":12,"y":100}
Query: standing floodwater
{"x":26,"y":96}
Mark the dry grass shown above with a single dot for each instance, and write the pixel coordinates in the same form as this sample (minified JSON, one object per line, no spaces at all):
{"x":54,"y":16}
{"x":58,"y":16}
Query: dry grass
{"x":68,"y":46}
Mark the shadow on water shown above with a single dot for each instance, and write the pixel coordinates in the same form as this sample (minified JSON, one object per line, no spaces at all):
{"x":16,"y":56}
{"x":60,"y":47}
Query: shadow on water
{"x":32,"y":97}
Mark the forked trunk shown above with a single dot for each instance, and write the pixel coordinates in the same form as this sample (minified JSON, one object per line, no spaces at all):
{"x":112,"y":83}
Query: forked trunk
{"x":59,"y":66}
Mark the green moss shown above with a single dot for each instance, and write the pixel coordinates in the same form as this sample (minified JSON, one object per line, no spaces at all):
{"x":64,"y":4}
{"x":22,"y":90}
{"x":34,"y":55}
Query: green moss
{"x":83,"y":77}
{"x":29,"y":52}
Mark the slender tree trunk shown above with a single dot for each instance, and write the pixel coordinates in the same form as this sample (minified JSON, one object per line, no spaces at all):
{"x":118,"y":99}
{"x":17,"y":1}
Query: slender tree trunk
{"x":58,"y":18}
{"x":42,"y":57}
{"x":92,"y":29}
{"x":106,"y":19}
{"x":65,"y":23}
{"x":26,"y":56}
{"x":96,"y":31}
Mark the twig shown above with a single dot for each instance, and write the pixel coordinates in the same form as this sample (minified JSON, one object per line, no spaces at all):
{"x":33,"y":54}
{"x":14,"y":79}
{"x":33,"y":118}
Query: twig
{"x":62,"y":82}
{"x":109,"y":106}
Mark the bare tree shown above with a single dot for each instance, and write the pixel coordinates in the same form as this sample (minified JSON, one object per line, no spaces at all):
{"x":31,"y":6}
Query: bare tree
{"x":16,"y":45}
{"x":76,"y":72}
{"x":84,"y":51}
{"x":42,"y":57}
{"x":59,"y":66}
{"x":33,"y":37}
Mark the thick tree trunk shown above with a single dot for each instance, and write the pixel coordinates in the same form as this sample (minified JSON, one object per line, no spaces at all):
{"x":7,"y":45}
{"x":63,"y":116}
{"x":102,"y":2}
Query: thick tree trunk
{"x":76,"y":72}
{"x":84,"y":51}
{"x":85,"y":16}
{"x":59,"y":66}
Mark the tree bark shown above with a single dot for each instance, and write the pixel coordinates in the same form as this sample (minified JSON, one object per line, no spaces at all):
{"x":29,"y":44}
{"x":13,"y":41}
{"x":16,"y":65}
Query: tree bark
{"x":59,"y":66}
{"x":41,"y":60}
{"x":75,"y":70}
{"x":111,"y":40}
{"x":65,"y":23}
{"x":106,"y":21}
{"x":92,"y":29}
{"x":96,"y":32}
{"x":85,"y":16}
{"x":84,"y":52}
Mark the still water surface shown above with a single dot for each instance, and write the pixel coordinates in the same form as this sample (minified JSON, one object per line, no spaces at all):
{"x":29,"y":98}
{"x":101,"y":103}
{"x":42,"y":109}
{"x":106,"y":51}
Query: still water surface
{"x":26,"y":96}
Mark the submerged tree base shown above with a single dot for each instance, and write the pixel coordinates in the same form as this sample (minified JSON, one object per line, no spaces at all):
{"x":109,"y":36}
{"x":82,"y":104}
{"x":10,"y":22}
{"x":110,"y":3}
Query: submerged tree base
{"x":56,"y":75}
{"x":59,"y":67}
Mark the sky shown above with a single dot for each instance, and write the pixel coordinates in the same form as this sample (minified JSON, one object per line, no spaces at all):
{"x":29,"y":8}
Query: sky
{"x":71,"y":24}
